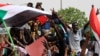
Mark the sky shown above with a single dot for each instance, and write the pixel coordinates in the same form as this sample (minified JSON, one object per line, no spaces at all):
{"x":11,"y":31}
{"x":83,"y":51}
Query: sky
{"x":83,"y":5}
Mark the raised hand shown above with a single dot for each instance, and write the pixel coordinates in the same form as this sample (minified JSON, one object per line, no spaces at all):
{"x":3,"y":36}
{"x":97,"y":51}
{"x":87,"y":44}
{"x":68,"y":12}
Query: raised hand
{"x":45,"y":45}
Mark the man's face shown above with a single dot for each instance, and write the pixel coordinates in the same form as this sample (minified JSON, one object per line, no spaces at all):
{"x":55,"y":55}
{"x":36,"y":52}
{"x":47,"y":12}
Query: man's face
{"x":75,"y":27}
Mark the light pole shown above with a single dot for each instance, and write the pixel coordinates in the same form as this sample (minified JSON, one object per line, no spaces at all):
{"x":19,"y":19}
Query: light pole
{"x":61,"y":4}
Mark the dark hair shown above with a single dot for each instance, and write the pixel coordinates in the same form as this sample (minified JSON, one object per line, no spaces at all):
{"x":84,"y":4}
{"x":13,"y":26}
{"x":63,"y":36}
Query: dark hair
{"x":30,"y":4}
{"x":82,"y":42}
{"x":38,"y":4}
{"x":14,"y":32}
{"x":74,"y":23}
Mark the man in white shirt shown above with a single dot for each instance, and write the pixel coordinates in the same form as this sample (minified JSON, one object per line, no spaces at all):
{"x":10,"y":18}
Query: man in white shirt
{"x":75,"y":36}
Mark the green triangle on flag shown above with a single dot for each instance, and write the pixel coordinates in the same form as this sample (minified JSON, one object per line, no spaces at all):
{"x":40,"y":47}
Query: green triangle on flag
{"x":2,"y":14}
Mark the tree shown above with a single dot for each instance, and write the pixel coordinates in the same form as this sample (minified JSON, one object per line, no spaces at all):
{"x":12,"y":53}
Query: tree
{"x":72,"y":14}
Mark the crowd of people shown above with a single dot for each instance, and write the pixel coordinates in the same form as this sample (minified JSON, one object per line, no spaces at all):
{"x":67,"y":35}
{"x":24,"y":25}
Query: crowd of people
{"x":62,"y":39}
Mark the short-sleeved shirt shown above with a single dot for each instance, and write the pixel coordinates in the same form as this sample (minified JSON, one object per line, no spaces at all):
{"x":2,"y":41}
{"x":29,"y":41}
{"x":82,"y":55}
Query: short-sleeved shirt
{"x":74,"y":40}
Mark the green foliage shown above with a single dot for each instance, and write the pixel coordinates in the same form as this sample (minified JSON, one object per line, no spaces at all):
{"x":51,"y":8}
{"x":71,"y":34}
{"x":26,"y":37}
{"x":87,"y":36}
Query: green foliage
{"x":72,"y":14}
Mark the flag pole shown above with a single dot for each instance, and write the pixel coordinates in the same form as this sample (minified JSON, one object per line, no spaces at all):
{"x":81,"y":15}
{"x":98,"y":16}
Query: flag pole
{"x":4,"y":23}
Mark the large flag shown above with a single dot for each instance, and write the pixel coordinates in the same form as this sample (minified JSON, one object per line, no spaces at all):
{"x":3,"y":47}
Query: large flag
{"x":17,"y":15}
{"x":36,"y":48}
{"x":95,"y":24}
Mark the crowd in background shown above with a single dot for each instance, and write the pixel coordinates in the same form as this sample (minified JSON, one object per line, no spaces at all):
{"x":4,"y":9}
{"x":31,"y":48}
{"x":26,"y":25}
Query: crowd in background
{"x":62,"y":39}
